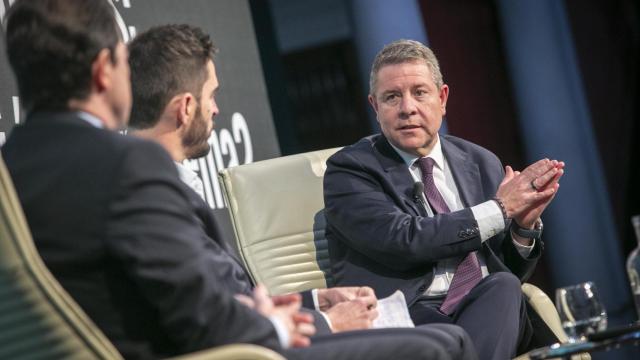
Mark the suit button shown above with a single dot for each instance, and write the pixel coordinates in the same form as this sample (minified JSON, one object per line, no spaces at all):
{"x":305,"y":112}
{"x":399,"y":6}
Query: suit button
{"x":421,"y":289}
{"x":461,"y":234}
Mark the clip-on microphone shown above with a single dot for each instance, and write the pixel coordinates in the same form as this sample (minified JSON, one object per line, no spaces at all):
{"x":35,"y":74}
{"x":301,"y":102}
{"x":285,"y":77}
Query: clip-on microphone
{"x":418,"y":191}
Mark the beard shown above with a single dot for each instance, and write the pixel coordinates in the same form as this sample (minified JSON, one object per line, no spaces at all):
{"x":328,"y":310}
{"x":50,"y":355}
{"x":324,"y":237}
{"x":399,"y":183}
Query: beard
{"x":196,"y":137}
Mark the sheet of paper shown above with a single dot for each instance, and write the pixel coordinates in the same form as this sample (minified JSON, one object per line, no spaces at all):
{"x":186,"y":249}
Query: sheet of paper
{"x":393,"y":312}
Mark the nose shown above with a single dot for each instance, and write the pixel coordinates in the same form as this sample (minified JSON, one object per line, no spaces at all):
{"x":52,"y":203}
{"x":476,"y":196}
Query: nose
{"x":407,"y":106}
{"x":214,"y":109}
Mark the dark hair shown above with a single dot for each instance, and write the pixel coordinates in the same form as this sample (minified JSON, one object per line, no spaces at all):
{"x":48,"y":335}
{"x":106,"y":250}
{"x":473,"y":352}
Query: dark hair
{"x":51,"y":46}
{"x":166,"y":61}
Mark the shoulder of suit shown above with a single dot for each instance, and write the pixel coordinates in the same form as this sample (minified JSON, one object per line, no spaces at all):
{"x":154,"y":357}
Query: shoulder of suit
{"x":469,"y":148}
{"x":361,"y":147}
{"x":356,"y":154}
{"x":146,"y":148}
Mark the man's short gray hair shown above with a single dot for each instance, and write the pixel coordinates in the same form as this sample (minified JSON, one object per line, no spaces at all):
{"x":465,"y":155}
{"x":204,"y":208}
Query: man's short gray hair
{"x":404,"y":51}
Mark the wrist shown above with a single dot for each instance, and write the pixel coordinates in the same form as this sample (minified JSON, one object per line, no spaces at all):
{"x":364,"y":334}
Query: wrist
{"x":531,"y":232}
{"x":503,"y":209}
{"x":322,"y":301}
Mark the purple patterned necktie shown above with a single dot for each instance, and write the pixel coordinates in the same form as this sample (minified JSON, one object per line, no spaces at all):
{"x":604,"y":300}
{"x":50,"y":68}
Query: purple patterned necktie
{"x":468,"y":274}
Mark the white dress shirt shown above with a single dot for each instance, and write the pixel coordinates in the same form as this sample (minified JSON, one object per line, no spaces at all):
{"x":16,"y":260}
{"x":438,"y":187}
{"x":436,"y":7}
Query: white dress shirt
{"x":91,"y":119}
{"x":190,"y":178}
{"x":488,"y":215}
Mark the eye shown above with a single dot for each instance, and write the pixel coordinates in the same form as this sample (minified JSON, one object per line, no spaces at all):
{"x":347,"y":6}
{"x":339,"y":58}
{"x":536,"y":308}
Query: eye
{"x":421,"y":92}
{"x":391,"y":98}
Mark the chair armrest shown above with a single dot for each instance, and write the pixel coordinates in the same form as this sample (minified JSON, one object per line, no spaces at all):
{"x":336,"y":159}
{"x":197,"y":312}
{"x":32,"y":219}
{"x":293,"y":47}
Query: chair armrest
{"x":541,"y":303}
{"x":233,"y":352}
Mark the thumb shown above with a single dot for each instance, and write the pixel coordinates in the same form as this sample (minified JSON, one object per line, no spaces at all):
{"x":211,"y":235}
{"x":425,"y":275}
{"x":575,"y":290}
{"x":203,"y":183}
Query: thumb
{"x":261,"y":298}
{"x":508,"y":174}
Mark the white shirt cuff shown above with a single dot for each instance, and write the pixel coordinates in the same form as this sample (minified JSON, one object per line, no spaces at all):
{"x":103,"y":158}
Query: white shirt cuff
{"x":316,"y":305}
{"x":490,"y":220}
{"x":314,"y":296}
{"x":326,"y":318}
{"x":281,"y":330}
{"x":524,"y":250}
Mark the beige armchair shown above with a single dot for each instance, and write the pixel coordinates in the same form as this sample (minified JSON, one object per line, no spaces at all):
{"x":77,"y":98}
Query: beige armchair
{"x":276,"y":208}
{"x":39,"y":320}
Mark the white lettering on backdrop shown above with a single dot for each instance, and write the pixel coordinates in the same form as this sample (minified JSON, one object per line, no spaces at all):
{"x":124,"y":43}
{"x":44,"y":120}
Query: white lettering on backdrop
{"x":224,"y":144}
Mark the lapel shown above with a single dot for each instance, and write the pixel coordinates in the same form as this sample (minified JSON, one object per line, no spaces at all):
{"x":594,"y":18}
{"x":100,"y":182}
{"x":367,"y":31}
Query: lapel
{"x":394,"y":166}
{"x":466,"y":173}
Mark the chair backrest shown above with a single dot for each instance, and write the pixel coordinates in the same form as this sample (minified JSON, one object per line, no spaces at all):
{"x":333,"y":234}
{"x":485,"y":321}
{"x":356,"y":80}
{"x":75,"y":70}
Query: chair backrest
{"x":276,"y":208}
{"x":38,"y":319}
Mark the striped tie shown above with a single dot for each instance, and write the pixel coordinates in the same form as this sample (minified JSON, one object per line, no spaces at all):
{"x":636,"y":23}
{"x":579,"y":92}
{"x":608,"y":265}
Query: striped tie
{"x":468,"y":274}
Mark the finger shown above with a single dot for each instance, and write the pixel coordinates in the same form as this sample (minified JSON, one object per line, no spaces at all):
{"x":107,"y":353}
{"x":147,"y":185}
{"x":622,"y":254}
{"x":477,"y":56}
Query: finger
{"x":306,"y":329}
{"x":542,"y":181}
{"x":365,"y":291}
{"x":554,"y":180}
{"x":373,"y":314}
{"x":544,"y":194}
{"x":300,"y":341}
{"x":508,"y":175}
{"x":286,"y":299}
{"x":538,"y":168}
{"x":245,"y":300}
{"x":370,"y":301}
{"x":260,"y":292}
{"x":303,"y":317}
{"x":261,"y":297}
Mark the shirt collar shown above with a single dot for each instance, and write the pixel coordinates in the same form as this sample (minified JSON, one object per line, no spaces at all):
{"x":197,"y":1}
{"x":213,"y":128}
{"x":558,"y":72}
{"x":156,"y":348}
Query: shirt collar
{"x":186,"y":174}
{"x":90,"y":118}
{"x":436,"y":154}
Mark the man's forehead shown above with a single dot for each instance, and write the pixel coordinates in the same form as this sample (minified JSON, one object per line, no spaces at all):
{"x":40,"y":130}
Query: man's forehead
{"x":395,"y":78}
{"x":211,"y":72}
{"x":413,"y":67}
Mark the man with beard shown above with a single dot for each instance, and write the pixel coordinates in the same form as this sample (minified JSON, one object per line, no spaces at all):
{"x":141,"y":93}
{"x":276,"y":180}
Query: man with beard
{"x":174,"y":86}
{"x":109,"y":215}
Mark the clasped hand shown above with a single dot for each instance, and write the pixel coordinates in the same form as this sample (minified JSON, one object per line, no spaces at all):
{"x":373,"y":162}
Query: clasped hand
{"x":349,"y":308}
{"x":286,"y":308}
{"x":526,"y":194}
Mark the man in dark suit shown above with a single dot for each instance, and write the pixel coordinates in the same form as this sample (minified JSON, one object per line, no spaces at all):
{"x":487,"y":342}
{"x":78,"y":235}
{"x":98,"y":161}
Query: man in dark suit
{"x":428,"y":214}
{"x":180,"y":119}
{"x":111,"y":218}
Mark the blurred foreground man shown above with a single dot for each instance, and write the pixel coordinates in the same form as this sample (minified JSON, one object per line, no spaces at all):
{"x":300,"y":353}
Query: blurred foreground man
{"x":434,"y":215}
{"x":111,"y":218}
{"x":174,"y":89}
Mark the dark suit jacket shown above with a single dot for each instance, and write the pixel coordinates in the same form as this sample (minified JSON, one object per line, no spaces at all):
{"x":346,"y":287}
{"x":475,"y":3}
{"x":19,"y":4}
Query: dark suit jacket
{"x":379,"y":236}
{"x":116,"y":227}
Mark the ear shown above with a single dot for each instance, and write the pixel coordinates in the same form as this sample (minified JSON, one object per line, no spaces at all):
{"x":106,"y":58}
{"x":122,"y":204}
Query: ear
{"x":102,"y":70}
{"x":444,"y":95}
{"x":186,"y":109}
{"x":373,"y":102}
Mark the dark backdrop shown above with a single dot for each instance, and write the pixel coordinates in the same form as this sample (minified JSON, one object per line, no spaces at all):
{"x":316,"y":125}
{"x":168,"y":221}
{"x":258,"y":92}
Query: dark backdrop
{"x":244,"y":128}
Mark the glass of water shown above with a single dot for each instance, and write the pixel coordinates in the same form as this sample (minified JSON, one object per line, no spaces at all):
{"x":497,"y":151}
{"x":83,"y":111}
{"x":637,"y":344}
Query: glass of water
{"x":581,"y":311}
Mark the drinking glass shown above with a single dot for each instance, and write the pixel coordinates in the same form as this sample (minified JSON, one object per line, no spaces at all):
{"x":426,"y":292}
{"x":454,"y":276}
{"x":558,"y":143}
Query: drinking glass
{"x":581,"y":311}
